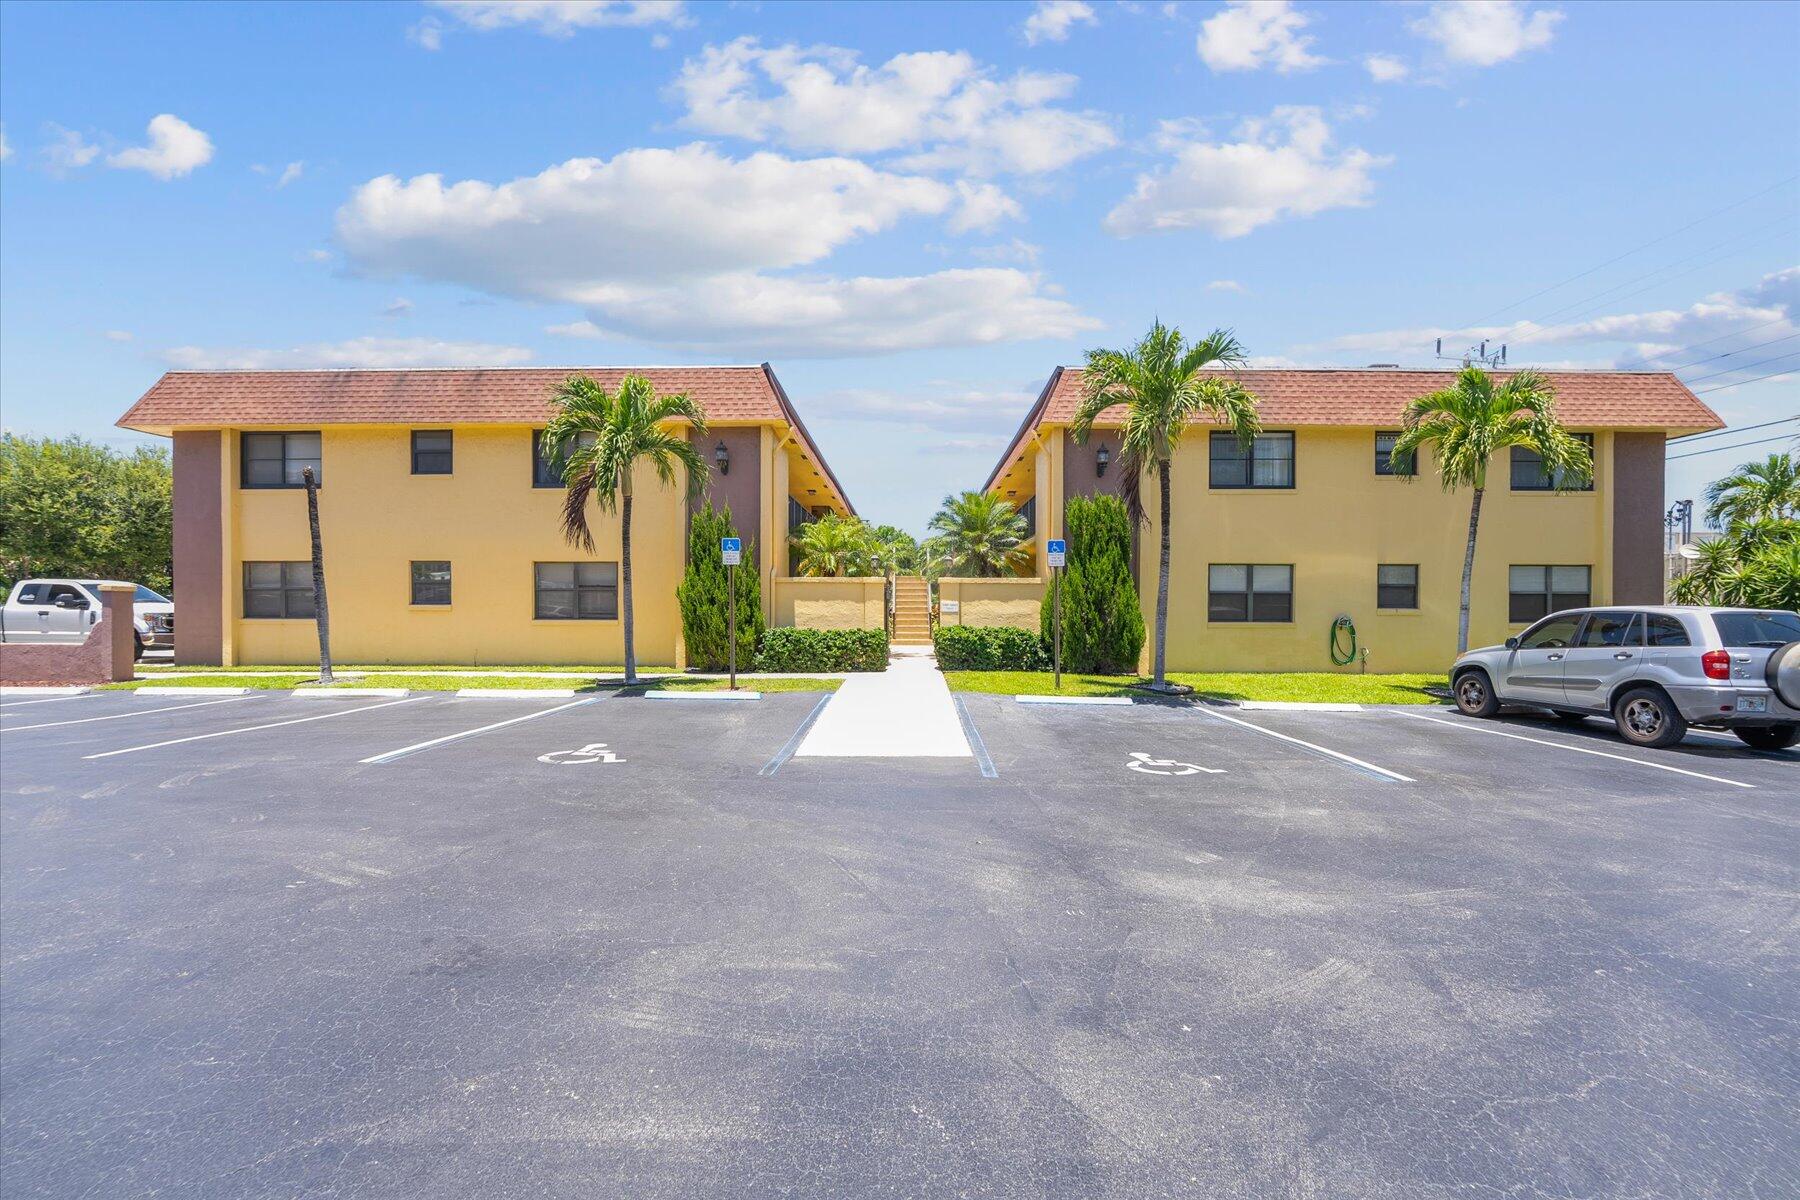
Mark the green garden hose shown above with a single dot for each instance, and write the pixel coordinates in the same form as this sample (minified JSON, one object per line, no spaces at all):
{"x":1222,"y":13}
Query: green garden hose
{"x":1343,"y":658}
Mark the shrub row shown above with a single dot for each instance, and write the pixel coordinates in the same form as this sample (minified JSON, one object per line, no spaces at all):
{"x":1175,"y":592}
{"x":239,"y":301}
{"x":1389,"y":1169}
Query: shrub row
{"x":989,"y":648}
{"x":807,"y":650}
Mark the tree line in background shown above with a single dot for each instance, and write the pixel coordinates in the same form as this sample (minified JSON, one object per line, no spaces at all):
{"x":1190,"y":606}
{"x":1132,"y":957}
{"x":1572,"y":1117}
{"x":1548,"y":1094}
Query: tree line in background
{"x":73,"y":508}
{"x":1755,"y":560}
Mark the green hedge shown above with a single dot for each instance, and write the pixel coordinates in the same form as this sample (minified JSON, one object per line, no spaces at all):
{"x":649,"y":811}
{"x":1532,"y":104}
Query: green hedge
{"x":809,"y":650}
{"x":989,"y":648}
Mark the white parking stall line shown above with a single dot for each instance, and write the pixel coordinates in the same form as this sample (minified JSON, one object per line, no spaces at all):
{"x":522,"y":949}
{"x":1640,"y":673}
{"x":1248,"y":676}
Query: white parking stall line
{"x":1636,"y":762}
{"x":403,"y":751}
{"x":49,"y":700}
{"x":201,"y":737}
{"x":1383,"y":772}
{"x":149,"y":712}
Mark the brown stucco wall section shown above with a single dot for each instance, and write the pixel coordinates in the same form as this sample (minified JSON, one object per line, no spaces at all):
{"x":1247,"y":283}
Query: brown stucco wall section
{"x":103,"y":657}
{"x":741,"y":488}
{"x":1078,"y":465}
{"x":1637,"y":549}
{"x":199,"y":547}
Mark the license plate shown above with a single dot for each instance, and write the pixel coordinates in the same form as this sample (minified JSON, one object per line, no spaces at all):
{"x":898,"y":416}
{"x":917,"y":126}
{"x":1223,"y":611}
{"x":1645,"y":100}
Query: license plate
{"x":1753,"y":704}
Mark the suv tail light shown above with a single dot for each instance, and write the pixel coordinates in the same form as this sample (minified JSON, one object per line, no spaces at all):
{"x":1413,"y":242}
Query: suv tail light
{"x":1717,"y":664}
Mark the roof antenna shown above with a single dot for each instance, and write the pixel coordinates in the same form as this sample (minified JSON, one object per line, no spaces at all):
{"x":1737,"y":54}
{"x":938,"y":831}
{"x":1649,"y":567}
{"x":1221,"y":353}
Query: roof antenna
{"x":1475,"y":354}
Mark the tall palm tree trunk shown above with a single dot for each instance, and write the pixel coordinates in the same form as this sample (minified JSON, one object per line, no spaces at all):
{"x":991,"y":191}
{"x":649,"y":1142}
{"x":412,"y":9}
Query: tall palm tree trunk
{"x":625,"y":584}
{"x":1162,"y":578}
{"x":1462,"y":617}
{"x":321,"y":614}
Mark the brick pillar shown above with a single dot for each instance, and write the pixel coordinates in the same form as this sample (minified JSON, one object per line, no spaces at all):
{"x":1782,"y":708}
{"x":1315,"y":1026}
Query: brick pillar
{"x":118,"y":617}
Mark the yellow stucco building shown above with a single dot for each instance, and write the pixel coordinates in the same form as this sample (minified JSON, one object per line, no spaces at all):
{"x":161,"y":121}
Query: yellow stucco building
{"x":1273,"y":543}
{"x":441,"y":521}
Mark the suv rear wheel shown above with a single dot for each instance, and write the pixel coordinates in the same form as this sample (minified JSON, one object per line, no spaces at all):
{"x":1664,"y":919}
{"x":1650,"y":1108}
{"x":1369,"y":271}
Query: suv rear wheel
{"x":1647,"y":717}
{"x":1475,"y":694}
{"x":1768,"y":737}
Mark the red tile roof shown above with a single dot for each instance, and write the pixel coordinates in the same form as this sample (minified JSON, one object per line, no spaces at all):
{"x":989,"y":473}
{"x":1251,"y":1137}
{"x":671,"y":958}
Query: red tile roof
{"x":1584,"y":399}
{"x":451,"y":396}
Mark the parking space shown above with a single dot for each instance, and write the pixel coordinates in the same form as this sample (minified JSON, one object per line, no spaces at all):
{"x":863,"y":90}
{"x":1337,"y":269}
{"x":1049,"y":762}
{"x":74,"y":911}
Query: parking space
{"x":615,"y":946}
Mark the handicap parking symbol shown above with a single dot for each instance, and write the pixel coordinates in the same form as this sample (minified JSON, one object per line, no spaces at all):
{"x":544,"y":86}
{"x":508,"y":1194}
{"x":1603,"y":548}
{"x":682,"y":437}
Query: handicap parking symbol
{"x":1167,"y":766}
{"x":593,"y":752}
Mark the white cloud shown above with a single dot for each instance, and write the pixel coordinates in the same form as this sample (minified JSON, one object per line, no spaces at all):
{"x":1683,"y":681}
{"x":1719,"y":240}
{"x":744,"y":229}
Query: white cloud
{"x":576,"y":329}
{"x":943,"y":108}
{"x":1052,"y":20}
{"x":1249,"y":34}
{"x":562,"y":18}
{"x":5,"y":146}
{"x":1283,"y":165}
{"x":1481,"y":33}
{"x":936,"y":408}
{"x":290,"y":173}
{"x":675,"y":246}
{"x":1227,"y":285}
{"x":399,"y":307}
{"x":427,"y":34}
{"x":1768,"y":309}
{"x":118,"y":335}
{"x":371,"y":353}
{"x":175,"y":149}
{"x":317,"y":255}
{"x":1385,"y":68}
{"x":67,"y":151}
{"x":1017,"y":250}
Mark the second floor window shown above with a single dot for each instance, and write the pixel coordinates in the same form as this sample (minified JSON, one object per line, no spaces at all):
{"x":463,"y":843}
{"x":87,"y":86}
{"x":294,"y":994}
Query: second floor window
{"x":275,"y":460}
{"x":1384,"y":453}
{"x":1529,"y":475}
{"x":547,"y":472}
{"x":433,"y":451}
{"x":1267,"y":462}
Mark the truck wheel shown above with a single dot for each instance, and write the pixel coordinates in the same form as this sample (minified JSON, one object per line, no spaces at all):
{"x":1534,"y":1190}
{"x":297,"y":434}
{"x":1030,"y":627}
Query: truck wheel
{"x":1647,"y":717}
{"x":1475,"y":694}
{"x":137,"y":646}
{"x":1768,"y":737}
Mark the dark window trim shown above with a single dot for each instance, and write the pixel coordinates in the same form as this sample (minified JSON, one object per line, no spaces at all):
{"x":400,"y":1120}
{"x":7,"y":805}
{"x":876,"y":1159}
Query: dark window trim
{"x":244,"y":460}
{"x":284,"y":590}
{"x":451,"y":452}
{"x":576,"y":588}
{"x":1544,"y":482}
{"x":415,"y":581}
{"x":1413,"y":607}
{"x":1249,"y":594}
{"x":1384,"y":467}
{"x":1548,"y":595}
{"x":1248,"y":454}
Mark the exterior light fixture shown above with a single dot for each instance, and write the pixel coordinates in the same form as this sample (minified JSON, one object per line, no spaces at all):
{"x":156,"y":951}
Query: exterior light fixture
{"x":722,"y":457}
{"x":1102,"y":456}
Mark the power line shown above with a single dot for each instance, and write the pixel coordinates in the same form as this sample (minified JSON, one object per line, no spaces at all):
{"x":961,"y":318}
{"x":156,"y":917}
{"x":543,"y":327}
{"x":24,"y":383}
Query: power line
{"x":1645,"y":246}
{"x":1733,"y":446}
{"x":1740,"y":383}
{"x":1639,"y":362}
{"x":1743,"y":367}
{"x":1650,"y":287}
{"x":1740,"y":350}
{"x":1695,"y":437}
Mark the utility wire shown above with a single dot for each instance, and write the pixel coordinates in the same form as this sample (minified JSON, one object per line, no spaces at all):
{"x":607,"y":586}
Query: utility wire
{"x":1740,"y":383}
{"x":1645,"y":246}
{"x":1695,"y":437}
{"x":1640,"y":362}
{"x":1740,"y":350}
{"x":1743,"y":367}
{"x":1650,"y":287}
{"x":1733,"y":446}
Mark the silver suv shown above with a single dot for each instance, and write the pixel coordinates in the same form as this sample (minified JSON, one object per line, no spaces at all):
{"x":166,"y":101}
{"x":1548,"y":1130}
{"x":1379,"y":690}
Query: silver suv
{"x":1654,"y":670}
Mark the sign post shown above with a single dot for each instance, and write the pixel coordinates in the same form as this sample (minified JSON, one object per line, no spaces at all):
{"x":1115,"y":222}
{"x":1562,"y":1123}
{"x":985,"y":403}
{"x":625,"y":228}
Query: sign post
{"x":1056,"y":553}
{"x":731,"y":550}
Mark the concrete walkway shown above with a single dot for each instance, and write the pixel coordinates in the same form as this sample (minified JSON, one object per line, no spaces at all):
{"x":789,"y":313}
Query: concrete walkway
{"x":904,"y":712}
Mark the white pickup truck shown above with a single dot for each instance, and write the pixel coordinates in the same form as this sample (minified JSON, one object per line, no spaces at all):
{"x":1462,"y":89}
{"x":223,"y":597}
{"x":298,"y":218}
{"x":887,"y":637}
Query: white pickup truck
{"x":62,"y":610}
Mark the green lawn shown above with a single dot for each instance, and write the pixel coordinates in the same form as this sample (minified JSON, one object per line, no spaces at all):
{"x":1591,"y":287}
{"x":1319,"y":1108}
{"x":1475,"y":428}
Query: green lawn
{"x":1313,"y":686}
{"x":404,"y":669}
{"x":450,"y":683}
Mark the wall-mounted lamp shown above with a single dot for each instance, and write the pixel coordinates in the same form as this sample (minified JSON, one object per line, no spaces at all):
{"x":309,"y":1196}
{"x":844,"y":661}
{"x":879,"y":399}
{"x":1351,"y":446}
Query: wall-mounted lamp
{"x":1102,"y":456}
{"x":722,"y":457}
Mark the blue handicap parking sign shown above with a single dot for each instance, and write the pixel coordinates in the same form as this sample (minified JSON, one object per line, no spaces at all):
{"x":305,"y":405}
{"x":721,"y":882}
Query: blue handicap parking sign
{"x":732,"y":550}
{"x":1056,"y":550}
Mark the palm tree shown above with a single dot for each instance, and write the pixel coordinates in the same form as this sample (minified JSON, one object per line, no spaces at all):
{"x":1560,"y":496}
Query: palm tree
{"x":978,"y":534}
{"x":832,"y":546}
{"x":1770,"y":488}
{"x":1164,"y":385}
{"x":600,"y":437}
{"x":1472,"y":420}
{"x":892,"y":550}
{"x":321,"y":615}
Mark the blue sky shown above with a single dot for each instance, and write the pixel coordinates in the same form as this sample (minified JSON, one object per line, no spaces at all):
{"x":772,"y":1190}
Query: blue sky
{"x":914,"y":211}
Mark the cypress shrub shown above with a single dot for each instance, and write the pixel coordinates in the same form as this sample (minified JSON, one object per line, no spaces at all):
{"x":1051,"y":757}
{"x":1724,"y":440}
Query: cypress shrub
{"x":1103,"y":627}
{"x":701,"y":595}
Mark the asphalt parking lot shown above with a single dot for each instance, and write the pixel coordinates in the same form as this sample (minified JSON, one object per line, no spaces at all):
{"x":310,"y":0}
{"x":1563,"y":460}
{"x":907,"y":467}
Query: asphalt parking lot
{"x":265,"y":946}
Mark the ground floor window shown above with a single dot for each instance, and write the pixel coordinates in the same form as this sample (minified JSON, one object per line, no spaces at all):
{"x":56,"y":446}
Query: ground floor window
{"x":278,"y":589}
{"x":1537,"y":591}
{"x":577,"y":591}
{"x":1397,"y":585}
{"x":431,"y":583}
{"x":1250,"y":592}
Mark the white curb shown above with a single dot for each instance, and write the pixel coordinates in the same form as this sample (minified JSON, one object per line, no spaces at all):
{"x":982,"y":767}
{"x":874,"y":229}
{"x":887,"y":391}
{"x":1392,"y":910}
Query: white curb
{"x":352,"y":692}
{"x":1298,"y":706}
{"x":1073,"y":699}
{"x":175,"y":690}
{"x":515,"y":693}
{"x":703,"y":695}
{"x":12,"y":691}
